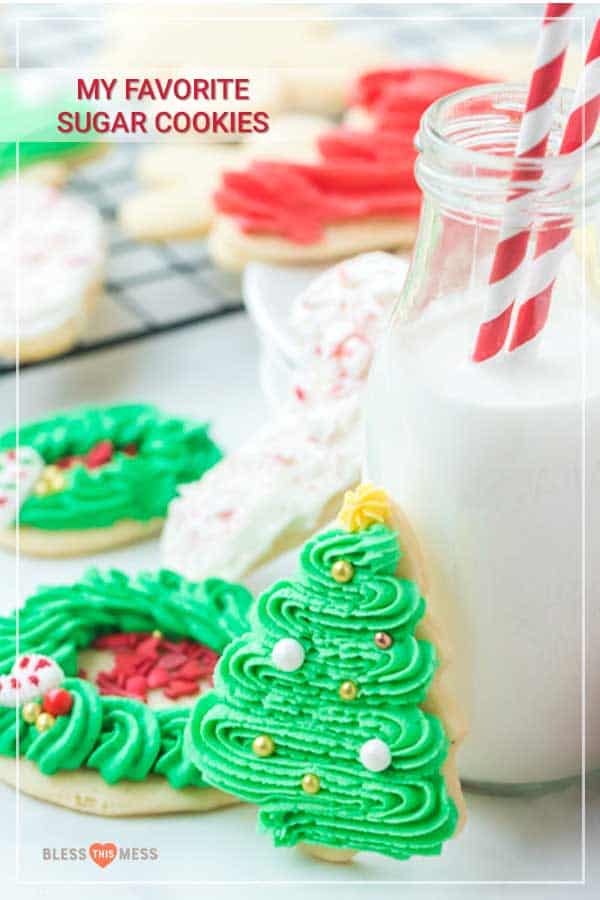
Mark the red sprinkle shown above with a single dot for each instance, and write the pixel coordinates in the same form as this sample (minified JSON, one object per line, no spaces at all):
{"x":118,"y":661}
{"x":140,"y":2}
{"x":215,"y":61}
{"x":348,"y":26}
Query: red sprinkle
{"x":137,"y":684}
{"x":58,"y":701}
{"x":158,"y":678}
{"x":130,"y":449}
{"x":99,"y":455}
{"x":180,"y":688}
{"x":143,"y":662}
{"x":172,"y":660}
{"x":67,"y":461}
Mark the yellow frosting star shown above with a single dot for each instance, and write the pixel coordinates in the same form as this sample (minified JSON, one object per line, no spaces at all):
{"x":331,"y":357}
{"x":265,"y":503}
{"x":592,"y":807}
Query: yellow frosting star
{"x":364,"y":506}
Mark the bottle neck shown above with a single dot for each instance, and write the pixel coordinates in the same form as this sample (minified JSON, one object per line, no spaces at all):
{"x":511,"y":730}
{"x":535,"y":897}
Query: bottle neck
{"x":466,"y":163}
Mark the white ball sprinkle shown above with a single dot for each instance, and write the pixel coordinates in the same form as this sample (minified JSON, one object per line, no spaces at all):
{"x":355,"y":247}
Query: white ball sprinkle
{"x":375,"y":755}
{"x":288,"y":655}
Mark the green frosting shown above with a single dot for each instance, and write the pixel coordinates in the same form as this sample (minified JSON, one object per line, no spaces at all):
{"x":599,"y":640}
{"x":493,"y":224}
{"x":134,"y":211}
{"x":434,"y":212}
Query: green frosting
{"x":67,"y":744}
{"x":171,"y":451}
{"x":400,"y":811}
{"x":59,"y":621}
{"x":120,"y":737}
{"x":12,"y":725}
{"x":35,"y":126}
{"x":173,"y":762}
{"x":128,"y":743}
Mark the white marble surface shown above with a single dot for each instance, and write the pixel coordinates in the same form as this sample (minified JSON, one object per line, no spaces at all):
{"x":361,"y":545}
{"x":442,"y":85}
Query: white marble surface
{"x":211,"y":371}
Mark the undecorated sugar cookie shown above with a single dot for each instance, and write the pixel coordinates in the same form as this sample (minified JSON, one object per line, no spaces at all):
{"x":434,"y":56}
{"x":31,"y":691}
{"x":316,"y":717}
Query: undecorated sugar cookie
{"x":347,"y":740}
{"x":100,"y":695}
{"x":51,"y":267}
{"x":298,"y":45}
{"x":96,"y":477}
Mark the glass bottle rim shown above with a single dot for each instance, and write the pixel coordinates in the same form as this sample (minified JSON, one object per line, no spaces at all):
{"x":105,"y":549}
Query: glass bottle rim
{"x":448,"y":164}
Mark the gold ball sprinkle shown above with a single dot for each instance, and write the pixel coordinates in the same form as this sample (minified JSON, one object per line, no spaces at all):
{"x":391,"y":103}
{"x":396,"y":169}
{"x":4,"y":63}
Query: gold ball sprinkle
{"x":342,"y":571}
{"x":56,"y":482}
{"x":41,"y":488}
{"x":311,"y":783}
{"x":383,"y":640}
{"x":263,"y":745}
{"x":44,"y":721}
{"x":348,"y":690}
{"x":157,"y":634}
{"x":31,"y":711}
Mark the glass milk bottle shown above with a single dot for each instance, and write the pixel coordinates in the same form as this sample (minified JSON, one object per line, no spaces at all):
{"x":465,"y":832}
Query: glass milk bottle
{"x":496,"y":463}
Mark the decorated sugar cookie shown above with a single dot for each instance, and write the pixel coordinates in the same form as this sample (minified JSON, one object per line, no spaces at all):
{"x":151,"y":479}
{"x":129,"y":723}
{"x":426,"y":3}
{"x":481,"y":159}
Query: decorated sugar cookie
{"x":178,"y":180}
{"x":51,"y":269}
{"x":330,"y":714}
{"x":99,"y":696}
{"x":29,"y":114}
{"x":20,"y":470}
{"x":96,"y":477}
{"x":267,"y":496}
{"x":395,"y":98}
{"x":356,"y":198}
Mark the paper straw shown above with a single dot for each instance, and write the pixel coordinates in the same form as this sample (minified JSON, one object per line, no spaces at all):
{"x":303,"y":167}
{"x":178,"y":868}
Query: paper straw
{"x":508,"y":264}
{"x":551,"y":244}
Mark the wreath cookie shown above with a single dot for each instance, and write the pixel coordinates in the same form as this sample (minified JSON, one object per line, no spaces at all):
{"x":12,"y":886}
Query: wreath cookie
{"x":97,"y":702}
{"x":331,"y":714}
{"x":96,"y":477}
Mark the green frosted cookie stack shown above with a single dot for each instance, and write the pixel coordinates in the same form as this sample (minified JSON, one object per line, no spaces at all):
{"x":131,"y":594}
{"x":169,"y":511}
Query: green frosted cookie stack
{"x":316,"y":714}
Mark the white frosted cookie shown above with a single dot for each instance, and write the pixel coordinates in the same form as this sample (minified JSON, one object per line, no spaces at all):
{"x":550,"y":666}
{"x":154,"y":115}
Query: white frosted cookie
{"x":286,"y":481}
{"x":338,"y":321}
{"x":266,"y":497}
{"x":51,"y":263}
{"x":179,"y":179}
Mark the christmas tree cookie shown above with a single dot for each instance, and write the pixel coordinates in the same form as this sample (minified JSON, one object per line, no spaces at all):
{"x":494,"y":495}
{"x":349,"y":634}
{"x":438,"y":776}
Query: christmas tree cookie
{"x":331,"y":714}
{"x":96,"y":477}
{"x":95,"y":695}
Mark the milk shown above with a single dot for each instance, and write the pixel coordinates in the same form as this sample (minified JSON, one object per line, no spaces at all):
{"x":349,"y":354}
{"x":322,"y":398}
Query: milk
{"x":488,"y":462}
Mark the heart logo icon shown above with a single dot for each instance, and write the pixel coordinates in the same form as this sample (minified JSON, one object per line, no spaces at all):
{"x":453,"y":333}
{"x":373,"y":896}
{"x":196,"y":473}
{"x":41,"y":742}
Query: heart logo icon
{"x":102,"y":854}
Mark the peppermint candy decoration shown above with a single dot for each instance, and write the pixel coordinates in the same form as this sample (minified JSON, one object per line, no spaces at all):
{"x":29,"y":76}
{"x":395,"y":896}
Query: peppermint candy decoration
{"x":20,"y":467}
{"x":30,"y":677}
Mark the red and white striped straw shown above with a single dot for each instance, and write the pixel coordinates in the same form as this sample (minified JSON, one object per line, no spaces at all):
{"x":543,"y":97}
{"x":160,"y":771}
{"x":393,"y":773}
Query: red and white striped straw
{"x":551,"y":244}
{"x":508,"y":264}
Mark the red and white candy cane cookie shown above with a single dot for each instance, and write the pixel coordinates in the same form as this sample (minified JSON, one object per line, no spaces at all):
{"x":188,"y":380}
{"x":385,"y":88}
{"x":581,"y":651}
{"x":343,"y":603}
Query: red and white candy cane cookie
{"x":31,"y":677}
{"x":338,"y":320}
